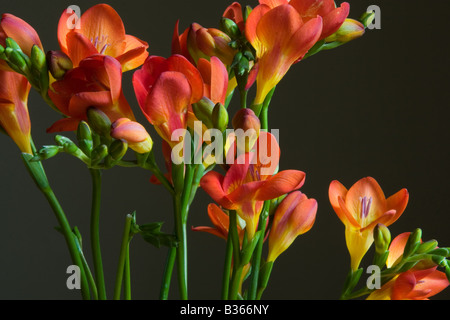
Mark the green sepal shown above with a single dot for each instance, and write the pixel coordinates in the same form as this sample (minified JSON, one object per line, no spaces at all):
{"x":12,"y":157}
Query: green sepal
{"x":36,"y":170}
{"x":98,"y":154}
{"x":427,"y":246}
{"x":47,"y":152}
{"x":249,"y":248}
{"x":413,"y":243}
{"x":351,"y":281}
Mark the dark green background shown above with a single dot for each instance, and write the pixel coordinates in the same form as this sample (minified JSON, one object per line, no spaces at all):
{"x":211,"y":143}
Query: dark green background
{"x":375,"y":107}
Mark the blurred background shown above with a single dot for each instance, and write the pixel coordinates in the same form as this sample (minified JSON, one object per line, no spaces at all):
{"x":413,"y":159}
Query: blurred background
{"x":377,"y":106}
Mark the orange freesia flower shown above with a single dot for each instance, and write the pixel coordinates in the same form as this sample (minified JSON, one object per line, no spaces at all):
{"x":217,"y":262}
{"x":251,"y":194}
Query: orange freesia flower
{"x":96,"y":82}
{"x":250,"y":181}
{"x":221,"y":222}
{"x":294,"y":216}
{"x":280,"y":38}
{"x":21,"y":32}
{"x":100,"y":30}
{"x":412,"y":285}
{"x":165,"y":89}
{"x":14,"y":117}
{"x":333,"y":17}
{"x":360,"y":209}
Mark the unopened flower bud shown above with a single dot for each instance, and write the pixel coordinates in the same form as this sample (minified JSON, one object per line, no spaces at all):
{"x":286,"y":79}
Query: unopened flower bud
{"x":427,"y":246}
{"x":230,"y":28}
{"x":98,"y":121}
{"x":203,"y":111}
{"x":46,"y":152}
{"x":214,"y":42}
{"x":367,"y":18}
{"x":98,"y":154}
{"x":58,"y":64}
{"x":220,"y":117}
{"x":118,"y":149}
{"x":382,"y":238}
{"x":351,"y":29}
{"x":247,"y":123}
{"x":413,"y":242}
{"x":84,"y":137}
{"x":133,"y":133}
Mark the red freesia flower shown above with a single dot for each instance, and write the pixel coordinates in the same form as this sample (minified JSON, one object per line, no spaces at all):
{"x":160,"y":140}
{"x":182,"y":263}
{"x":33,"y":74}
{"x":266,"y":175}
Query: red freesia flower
{"x":96,"y":82}
{"x":165,"y":89}
{"x":250,"y":181}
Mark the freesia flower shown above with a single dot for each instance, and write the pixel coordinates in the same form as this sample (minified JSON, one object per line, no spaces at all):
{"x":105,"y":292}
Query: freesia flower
{"x":14,"y":117}
{"x":221,"y":222}
{"x":360,"y":209}
{"x":133,"y":133}
{"x":99,"y":30}
{"x":165,"y":90}
{"x":215,"y":79}
{"x":280,"y":38}
{"x":294,"y":216}
{"x":21,"y":32}
{"x":234,"y":12}
{"x":250,"y":181}
{"x":412,"y":285}
{"x":96,"y":82}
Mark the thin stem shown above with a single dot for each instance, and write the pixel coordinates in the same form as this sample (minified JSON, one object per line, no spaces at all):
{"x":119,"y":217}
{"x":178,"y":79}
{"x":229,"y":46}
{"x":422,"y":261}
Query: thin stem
{"x":95,"y":232}
{"x":122,"y":257}
{"x":127,"y":275}
{"x":165,"y":286}
{"x":227,"y":268}
{"x":258,"y":252}
{"x":180,"y":228}
{"x":36,"y":170}
{"x":264,"y":116}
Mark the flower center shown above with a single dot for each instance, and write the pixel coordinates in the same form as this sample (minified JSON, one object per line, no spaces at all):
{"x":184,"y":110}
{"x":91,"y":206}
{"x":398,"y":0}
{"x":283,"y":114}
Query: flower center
{"x":100,"y":43}
{"x":365,"y":206}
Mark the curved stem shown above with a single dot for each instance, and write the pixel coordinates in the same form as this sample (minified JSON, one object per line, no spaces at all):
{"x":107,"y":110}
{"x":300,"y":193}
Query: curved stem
{"x":37,"y":172}
{"x":227,"y":268}
{"x":95,"y":232}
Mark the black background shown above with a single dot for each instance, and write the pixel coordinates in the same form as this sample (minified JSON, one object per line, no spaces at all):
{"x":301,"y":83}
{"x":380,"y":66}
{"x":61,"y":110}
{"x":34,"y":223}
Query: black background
{"x":374,"y":107}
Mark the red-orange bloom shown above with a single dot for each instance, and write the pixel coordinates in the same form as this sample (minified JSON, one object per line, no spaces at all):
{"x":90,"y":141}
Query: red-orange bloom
{"x":99,"y":30}
{"x":14,"y":117}
{"x":280,"y":38}
{"x":221,"y":222}
{"x":360,"y":209}
{"x":215,"y":79}
{"x":96,"y":82}
{"x":21,"y":32}
{"x":234,"y":12}
{"x":165,"y":89}
{"x":250,"y":181}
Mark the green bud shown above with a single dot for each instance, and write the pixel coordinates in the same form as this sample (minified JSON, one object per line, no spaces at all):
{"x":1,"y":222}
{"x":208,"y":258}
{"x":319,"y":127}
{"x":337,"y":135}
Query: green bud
{"x":367,"y":18}
{"x":99,"y":121}
{"x":382,"y":238}
{"x":2,"y":50}
{"x":439,"y":260}
{"x":58,"y":64}
{"x":243,"y":66}
{"x":230,"y":28}
{"x":47,"y":152}
{"x":68,"y":145}
{"x":16,"y":59}
{"x":84,"y":137}
{"x":413,"y":243}
{"x":237,"y":58}
{"x":118,"y":149}
{"x":98,"y":154}
{"x":220,"y":117}
{"x":427,"y":246}
{"x":11,"y":43}
{"x":447,"y":272}
{"x":247,"y":12}
{"x":249,"y":55}
{"x":38,"y":60}
{"x":203,"y":110}
{"x":440,"y":252}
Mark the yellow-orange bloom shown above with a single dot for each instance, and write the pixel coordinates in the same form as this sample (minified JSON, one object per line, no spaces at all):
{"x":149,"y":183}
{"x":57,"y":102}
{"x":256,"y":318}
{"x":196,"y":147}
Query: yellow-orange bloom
{"x":360,"y":209}
{"x":133,"y":133}
{"x":14,"y":117}
{"x":294,"y":216}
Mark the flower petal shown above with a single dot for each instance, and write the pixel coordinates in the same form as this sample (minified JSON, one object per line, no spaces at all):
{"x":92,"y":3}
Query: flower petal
{"x":212,"y":184}
{"x":280,"y":184}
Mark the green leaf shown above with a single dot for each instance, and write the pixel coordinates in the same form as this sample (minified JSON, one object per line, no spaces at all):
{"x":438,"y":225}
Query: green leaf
{"x":152,"y":234}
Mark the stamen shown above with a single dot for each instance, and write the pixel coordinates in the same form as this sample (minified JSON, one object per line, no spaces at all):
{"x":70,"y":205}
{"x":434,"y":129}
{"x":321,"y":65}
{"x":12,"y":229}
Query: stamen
{"x":365,"y":206}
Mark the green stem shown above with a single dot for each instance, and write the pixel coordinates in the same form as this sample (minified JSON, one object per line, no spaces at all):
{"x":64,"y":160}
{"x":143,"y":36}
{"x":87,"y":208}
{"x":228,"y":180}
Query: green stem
{"x":122,"y":257}
{"x":258,"y":252}
{"x":264,"y":116}
{"x":95,"y":232}
{"x":165,"y":286}
{"x":236,"y":282}
{"x":227,"y":268}
{"x":127,"y":275}
{"x":37,"y":172}
{"x":180,"y":229}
